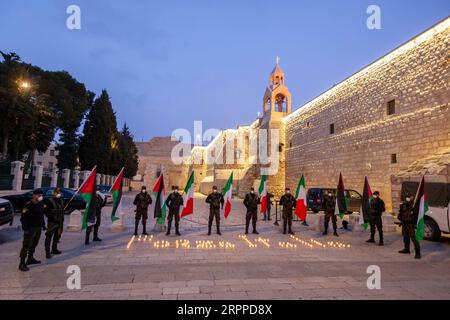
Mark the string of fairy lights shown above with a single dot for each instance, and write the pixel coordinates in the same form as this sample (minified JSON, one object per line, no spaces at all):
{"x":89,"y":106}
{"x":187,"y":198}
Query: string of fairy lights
{"x":294,"y":243}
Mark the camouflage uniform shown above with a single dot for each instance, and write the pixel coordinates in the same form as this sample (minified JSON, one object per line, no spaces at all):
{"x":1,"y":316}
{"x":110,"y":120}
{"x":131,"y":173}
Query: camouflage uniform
{"x":32,"y":220}
{"x":141,"y":201}
{"x":215,"y":200}
{"x":174,"y":201}
{"x":408,"y":219}
{"x":329,"y":205}
{"x":288,"y":202}
{"x":251,"y":202}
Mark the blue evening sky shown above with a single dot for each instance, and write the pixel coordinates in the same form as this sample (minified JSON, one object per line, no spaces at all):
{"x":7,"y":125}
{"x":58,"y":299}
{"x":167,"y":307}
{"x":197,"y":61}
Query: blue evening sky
{"x":168,"y":63}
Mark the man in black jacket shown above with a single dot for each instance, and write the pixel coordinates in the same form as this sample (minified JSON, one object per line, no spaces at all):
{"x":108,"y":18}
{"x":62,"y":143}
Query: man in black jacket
{"x":288,"y":202}
{"x":174,"y":202}
{"x":142,"y":201}
{"x":54,"y":211}
{"x":215,"y":200}
{"x":251,"y":202}
{"x":32,"y":220}
{"x":377,"y":208}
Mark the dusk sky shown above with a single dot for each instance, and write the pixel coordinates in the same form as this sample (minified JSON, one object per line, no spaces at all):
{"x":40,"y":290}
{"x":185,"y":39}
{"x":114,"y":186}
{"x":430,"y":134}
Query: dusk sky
{"x":168,"y":63}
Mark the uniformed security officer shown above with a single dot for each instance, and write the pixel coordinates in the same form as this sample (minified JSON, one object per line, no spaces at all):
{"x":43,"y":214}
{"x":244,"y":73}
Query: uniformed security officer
{"x":174,"y":201}
{"x":32,"y":220}
{"x":142,"y":201}
{"x":408,"y":219}
{"x":100,"y":202}
{"x":215,"y":200}
{"x":288,"y":202}
{"x":329,"y":204}
{"x":54,"y":211}
{"x":251,"y":202}
{"x":266,"y":216}
{"x":377,"y":208}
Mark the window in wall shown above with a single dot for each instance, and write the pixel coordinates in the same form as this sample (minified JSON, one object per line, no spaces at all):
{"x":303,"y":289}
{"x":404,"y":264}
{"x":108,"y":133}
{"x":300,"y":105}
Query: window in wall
{"x":332,"y":128}
{"x":52,"y":153}
{"x":393,"y":158}
{"x":391,"y":108}
{"x":308,"y":124}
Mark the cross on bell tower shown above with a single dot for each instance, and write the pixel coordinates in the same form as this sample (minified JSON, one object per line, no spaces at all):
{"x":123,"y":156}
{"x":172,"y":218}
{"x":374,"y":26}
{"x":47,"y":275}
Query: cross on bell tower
{"x":277,"y":98}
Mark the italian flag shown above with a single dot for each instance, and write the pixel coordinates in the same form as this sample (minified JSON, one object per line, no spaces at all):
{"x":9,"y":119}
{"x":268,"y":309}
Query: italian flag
{"x":189,"y":197}
{"x":300,"y":196}
{"x":263,"y":193}
{"x":116,"y":192}
{"x":365,"y":211}
{"x":88,"y":192}
{"x":421,"y":206}
{"x":341,"y":201}
{"x":160,"y":203}
{"x":227,"y":195}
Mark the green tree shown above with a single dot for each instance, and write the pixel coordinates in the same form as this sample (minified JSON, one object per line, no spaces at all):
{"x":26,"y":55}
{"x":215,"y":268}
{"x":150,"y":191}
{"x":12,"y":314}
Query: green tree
{"x":99,"y":134}
{"x":128,"y":152}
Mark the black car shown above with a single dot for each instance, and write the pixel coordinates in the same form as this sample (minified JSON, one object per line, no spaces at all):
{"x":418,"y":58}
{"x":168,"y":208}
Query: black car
{"x":6,"y":213}
{"x":77,"y":203}
{"x":315,"y":197}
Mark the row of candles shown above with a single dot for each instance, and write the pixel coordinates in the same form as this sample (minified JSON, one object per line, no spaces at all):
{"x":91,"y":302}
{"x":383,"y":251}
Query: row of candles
{"x":209,"y":244}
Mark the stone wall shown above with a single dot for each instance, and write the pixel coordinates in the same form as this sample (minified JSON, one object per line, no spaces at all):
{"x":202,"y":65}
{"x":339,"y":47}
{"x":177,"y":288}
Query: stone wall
{"x":416,"y":76}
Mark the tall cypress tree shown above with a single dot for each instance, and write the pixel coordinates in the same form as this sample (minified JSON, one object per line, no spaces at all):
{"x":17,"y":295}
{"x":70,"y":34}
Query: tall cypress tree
{"x":97,"y":142}
{"x":128,"y":152}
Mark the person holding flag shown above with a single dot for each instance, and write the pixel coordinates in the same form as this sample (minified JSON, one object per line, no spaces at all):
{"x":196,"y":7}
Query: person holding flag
{"x":251,"y":202}
{"x":215,"y":201}
{"x":98,"y":204}
{"x":376,"y":222}
{"x":408,"y":219}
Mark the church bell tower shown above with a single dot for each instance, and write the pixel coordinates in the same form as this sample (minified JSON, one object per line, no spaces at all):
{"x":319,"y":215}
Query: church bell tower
{"x":277,"y":98}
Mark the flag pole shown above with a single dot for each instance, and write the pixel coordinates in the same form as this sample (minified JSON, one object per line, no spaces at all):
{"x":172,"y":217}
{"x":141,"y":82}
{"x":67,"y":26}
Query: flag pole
{"x":120,"y":172}
{"x":65,"y":207}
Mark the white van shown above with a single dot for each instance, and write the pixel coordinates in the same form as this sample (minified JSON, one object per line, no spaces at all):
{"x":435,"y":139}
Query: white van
{"x":437,"y":220}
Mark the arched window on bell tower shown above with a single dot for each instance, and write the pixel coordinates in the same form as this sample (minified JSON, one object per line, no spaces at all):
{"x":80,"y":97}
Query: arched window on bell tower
{"x":277,"y":97}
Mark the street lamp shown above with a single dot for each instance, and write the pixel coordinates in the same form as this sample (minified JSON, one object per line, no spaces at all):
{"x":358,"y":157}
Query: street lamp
{"x":24,"y":84}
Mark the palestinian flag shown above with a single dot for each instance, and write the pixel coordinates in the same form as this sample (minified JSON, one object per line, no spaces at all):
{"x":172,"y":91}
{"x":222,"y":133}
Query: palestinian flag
{"x":227,"y":195}
{"x":160,"y":203}
{"x":365,"y":211}
{"x":88,"y":191}
{"x":341,"y":200}
{"x":300,"y":196}
{"x":421,"y":207}
{"x":116,"y":192}
{"x":263,"y":193}
{"x":189,"y":197}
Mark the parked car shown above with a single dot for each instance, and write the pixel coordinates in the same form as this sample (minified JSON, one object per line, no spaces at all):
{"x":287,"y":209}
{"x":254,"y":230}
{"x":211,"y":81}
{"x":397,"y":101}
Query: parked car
{"x":104,"y":189}
{"x":315,"y":197}
{"x":6,"y":213}
{"x":18,"y":200}
{"x":437,"y":220}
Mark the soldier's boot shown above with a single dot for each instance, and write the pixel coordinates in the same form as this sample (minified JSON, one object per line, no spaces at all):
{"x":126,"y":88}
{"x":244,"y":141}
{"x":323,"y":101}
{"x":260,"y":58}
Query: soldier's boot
{"x":284,"y":228}
{"x":325,"y":229}
{"x":417,"y":249}
{"x":96,"y":238}
{"x":291,"y":232}
{"x":86,"y":239}
{"x":31,"y":260}
{"x":405,"y":251}
{"x":23,"y":266}
{"x":144,"y":229}
{"x":177,"y":232}
{"x":136,"y":226}
{"x":48,"y":255}
{"x":209,"y":229}
{"x":218,"y":230}
{"x":168,"y":229}
{"x":55,"y":248}
{"x":335,"y":233}
{"x":371,"y":240}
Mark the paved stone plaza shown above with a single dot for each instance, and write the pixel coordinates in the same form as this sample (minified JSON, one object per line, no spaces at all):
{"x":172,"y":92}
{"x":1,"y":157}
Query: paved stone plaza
{"x":111,"y":271}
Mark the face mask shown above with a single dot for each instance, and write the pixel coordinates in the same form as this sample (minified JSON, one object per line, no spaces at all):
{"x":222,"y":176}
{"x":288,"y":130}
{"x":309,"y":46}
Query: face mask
{"x":176,"y":191}
{"x":375,"y":196}
{"x":215,"y":191}
{"x":58,"y":195}
{"x":143,"y":191}
{"x":408,"y":199}
{"x":40,"y":198}
{"x":252,"y":192}
{"x":288,"y":192}
{"x":98,"y":192}
{"x":330,"y":195}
